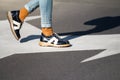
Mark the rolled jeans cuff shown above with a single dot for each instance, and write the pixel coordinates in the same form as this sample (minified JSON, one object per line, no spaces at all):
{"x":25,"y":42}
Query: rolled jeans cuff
{"x":46,"y":25}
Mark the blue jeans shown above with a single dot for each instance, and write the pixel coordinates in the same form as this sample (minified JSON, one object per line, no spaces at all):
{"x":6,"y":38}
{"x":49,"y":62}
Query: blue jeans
{"x":45,"y":7}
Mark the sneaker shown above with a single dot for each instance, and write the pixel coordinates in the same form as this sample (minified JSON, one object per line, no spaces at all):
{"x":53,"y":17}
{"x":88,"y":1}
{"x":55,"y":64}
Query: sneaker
{"x":15,"y":23}
{"x":53,"y":41}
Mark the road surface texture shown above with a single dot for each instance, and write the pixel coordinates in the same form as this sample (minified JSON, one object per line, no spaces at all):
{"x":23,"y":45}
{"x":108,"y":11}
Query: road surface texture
{"x":91,"y":26}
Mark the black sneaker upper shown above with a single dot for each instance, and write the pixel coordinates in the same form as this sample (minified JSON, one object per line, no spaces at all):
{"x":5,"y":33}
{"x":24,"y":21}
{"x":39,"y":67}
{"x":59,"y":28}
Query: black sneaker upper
{"x":15,"y":23}
{"x":54,"y":39}
{"x":15,"y":16}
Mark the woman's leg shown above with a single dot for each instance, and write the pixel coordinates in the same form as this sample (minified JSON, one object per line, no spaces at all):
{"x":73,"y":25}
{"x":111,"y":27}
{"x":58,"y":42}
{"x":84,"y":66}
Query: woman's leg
{"x":45,"y":10}
{"x":32,"y":5}
{"x":47,"y":38}
{"x":45,"y":7}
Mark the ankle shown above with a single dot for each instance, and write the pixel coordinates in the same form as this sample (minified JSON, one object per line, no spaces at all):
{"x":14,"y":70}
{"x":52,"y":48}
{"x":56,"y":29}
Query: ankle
{"x":47,"y":31}
{"x":23,"y":14}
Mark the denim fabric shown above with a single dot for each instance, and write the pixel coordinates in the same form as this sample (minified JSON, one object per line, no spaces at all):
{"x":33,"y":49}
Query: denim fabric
{"x":45,"y":7}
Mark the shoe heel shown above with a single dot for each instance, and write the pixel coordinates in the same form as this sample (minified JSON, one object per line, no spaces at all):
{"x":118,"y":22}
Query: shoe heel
{"x":44,"y":44}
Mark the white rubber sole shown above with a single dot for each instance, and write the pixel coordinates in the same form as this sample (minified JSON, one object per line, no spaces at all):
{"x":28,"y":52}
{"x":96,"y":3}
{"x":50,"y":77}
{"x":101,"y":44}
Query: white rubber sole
{"x":11,"y":24}
{"x":45,"y":44}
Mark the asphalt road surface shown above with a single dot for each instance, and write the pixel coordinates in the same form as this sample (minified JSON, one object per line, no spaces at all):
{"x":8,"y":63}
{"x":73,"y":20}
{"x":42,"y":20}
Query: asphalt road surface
{"x":92,"y":27}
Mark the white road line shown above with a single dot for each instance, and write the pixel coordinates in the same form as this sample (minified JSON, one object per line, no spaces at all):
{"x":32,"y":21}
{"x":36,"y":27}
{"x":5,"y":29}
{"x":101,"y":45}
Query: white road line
{"x":9,"y":46}
{"x":31,"y":18}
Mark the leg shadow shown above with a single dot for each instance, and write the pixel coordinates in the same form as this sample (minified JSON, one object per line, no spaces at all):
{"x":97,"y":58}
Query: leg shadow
{"x":29,"y":38}
{"x":102,"y":24}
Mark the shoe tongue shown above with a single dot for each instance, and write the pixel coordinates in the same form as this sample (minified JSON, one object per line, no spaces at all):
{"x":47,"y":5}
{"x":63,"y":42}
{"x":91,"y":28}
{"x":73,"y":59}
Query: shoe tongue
{"x":15,"y":15}
{"x":18,"y":19}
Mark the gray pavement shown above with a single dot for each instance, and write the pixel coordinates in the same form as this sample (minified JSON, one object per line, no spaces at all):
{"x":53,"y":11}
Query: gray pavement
{"x":93,"y":28}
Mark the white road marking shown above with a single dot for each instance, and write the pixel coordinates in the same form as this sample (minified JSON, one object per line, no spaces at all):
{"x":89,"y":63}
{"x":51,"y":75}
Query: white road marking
{"x":31,"y":18}
{"x":9,"y":46}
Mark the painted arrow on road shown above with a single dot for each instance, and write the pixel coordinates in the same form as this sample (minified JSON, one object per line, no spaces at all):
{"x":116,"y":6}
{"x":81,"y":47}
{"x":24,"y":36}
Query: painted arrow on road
{"x":8,"y":45}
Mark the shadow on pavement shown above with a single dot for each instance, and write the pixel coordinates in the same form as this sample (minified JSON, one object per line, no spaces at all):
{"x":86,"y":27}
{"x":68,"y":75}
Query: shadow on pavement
{"x":29,"y":38}
{"x":101,"y":24}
